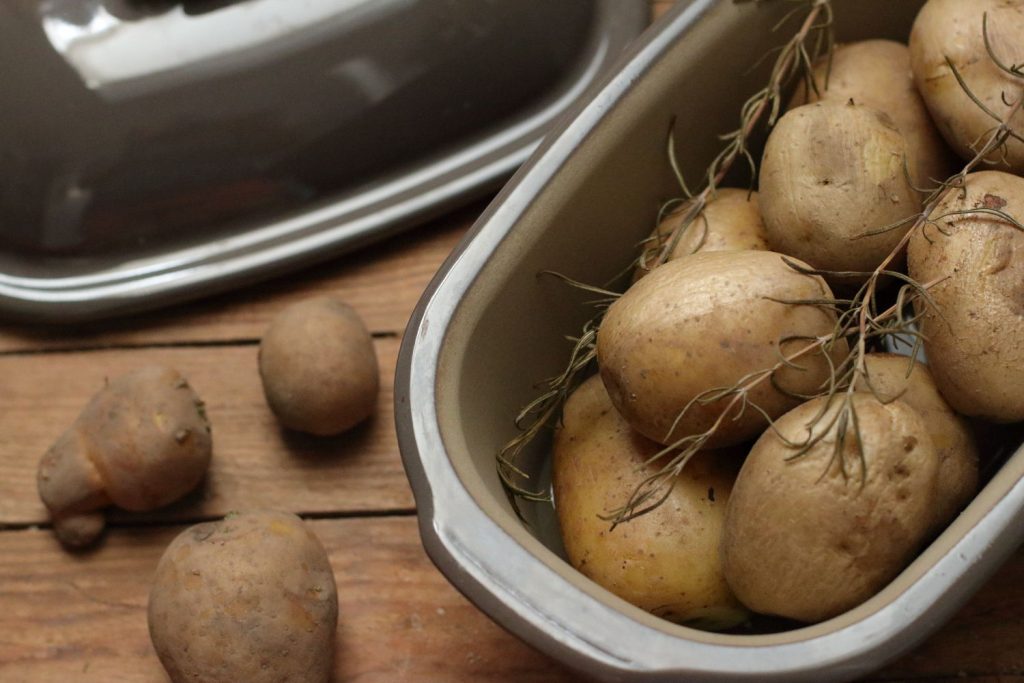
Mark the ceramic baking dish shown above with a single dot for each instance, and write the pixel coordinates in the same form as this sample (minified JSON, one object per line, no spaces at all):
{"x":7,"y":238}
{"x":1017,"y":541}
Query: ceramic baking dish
{"x":490,"y":326}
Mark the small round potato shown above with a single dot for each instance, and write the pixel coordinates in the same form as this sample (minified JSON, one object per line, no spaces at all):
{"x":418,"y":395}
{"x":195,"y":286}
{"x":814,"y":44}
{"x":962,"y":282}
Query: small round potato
{"x":731,"y":220}
{"x":806,"y":541}
{"x":831,"y":174}
{"x":319,"y":367}
{"x":950,"y":434}
{"x":876,"y":73}
{"x":704,"y":322}
{"x":666,"y":561}
{"x":953,"y":29}
{"x":249,"y":598}
{"x":974,"y":336}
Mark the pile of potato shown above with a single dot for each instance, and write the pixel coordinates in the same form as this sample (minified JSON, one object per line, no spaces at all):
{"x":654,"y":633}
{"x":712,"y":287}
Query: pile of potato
{"x":758,"y":521}
{"x":251,"y":597}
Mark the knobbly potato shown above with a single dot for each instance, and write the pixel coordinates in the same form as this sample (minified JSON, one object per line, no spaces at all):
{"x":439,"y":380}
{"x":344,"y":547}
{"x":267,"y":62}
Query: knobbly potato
{"x":876,"y":74}
{"x":667,"y":561}
{"x":805,"y":541}
{"x":953,"y":29}
{"x":831,"y":174}
{"x":703,"y":322}
{"x":730,"y":220}
{"x":319,"y":367}
{"x":249,"y":598}
{"x":140,"y":443}
{"x":974,"y":335}
{"x":950,"y":434}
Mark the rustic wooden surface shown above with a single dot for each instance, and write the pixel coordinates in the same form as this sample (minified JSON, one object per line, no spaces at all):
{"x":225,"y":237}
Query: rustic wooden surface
{"x":82,"y":617}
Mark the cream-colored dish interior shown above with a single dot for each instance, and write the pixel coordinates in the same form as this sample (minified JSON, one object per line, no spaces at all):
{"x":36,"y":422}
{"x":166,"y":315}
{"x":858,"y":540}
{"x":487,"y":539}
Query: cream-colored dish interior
{"x":509,"y":330}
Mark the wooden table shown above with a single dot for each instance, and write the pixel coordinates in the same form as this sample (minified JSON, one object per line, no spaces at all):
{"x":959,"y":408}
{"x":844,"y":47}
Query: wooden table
{"x":82,"y":617}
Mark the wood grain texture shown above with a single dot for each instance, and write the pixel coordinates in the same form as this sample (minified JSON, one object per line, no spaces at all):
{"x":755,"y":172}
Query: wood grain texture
{"x":83,"y":617}
{"x":255,"y":462}
{"x":383,"y":283}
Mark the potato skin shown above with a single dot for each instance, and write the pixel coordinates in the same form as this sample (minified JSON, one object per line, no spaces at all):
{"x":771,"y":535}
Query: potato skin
{"x":666,"y":561}
{"x":953,"y":28}
{"x":876,"y":74}
{"x":950,"y":433}
{"x":831,"y":173}
{"x":319,"y":367}
{"x":974,"y":338}
{"x":731,"y":220}
{"x":803,"y":542}
{"x":702,"y":322}
{"x":140,"y":443}
{"x":248,"y":598}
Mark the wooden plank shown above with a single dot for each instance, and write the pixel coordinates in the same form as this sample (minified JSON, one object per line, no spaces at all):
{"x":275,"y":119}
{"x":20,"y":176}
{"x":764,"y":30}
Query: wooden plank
{"x":382,"y":282}
{"x":255,"y":462}
{"x":82,"y":617}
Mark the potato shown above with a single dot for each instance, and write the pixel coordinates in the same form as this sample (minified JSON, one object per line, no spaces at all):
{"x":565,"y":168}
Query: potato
{"x":950,"y":434}
{"x":974,"y":337}
{"x":953,"y":29}
{"x":705,"y":321}
{"x":876,"y":74}
{"x":140,"y":443}
{"x":831,"y":173}
{"x":804,"y":541}
{"x":319,"y":367}
{"x":248,"y":598}
{"x":731,"y":220}
{"x":667,"y":561}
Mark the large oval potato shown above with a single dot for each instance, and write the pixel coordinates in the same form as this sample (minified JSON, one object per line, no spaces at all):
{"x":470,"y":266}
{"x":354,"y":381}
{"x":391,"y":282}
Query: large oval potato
{"x":831,"y":174}
{"x":876,"y":74}
{"x":666,"y":561}
{"x":974,"y":337}
{"x":706,"y":321}
{"x":731,"y":220}
{"x":951,"y":434}
{"x":953,"y":29}
{"x":804,"y":541}
{"x":249,"y":598}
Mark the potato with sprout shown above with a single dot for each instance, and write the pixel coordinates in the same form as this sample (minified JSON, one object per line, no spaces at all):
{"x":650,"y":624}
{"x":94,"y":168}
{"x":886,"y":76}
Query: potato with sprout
{"x":666,"y":561}
{"x":140,"y":443}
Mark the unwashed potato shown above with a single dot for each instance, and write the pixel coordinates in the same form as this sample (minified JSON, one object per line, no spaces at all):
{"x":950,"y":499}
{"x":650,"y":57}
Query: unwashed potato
{"x":666,"y":561}
{"x":319,"y":367}
{"x":731,"y":219}
{"x":703,"y":322}
{"x":951,"y":434}
{"x":974,"y":335}
{"x":876,"y":74}
{"x":140,"y":443}
{"x":805,"y":541}
{"x":249,"y":598}
{"x":833,"y":172}
{"x":953,"y":29}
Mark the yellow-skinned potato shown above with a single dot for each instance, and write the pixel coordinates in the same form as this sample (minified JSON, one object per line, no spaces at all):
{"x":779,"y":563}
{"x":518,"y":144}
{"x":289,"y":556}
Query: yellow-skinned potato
{"x":140,"y":443}
{"x":704,"y":322}
{"x":249,"y":598}
{"x":876,"y":73}
{"x":950,"y":434}
{"x":831,"y":173}
{"x":954,"y":29}
{"x":805,"y":542}
{"x":319,"y":367}
{"x":731,"y":219}
{"x":666,"y":561}
{"x":974,"y":337}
